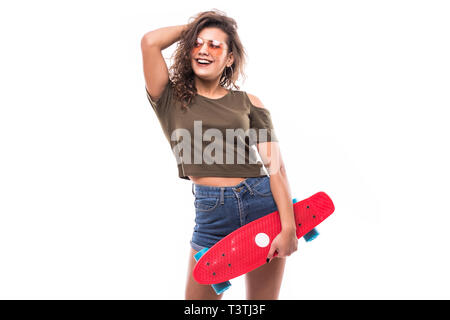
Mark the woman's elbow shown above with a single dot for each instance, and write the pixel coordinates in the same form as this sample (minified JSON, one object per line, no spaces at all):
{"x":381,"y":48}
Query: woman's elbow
{"x":277,"y":170}
{"x":282,"y":170}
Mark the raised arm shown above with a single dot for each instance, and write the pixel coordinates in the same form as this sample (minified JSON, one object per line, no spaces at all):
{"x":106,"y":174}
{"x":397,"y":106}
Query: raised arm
{"x":155,"y":69}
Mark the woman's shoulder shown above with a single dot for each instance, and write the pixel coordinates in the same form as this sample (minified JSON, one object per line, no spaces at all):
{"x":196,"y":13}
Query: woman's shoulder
{"x":253,"y":99}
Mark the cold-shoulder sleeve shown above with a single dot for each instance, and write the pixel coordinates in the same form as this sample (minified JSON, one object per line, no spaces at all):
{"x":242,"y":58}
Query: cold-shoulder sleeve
{"x":165,"y":100}
{"x":261,"y":122}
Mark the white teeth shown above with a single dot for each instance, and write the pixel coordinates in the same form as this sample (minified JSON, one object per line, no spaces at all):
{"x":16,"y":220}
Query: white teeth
{"x":203,"y":61}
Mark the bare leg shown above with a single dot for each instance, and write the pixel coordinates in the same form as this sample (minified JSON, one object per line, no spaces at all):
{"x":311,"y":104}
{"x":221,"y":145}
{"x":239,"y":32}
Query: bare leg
{"x":194,"y":290}
{"x":264,"y":283}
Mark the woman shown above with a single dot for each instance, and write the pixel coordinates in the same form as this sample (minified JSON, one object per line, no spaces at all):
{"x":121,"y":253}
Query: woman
{"x":195,"y":101}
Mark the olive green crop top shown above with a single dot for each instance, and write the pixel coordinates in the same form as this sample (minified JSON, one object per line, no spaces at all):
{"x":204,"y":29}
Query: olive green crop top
{"x":214,"y":137}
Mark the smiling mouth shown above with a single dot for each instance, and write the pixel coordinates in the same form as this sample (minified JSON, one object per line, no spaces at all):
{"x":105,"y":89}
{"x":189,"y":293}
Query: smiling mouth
{"x":203,"y":62}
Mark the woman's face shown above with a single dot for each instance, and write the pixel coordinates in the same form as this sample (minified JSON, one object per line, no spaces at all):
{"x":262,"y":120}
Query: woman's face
{"x":211,"y":45}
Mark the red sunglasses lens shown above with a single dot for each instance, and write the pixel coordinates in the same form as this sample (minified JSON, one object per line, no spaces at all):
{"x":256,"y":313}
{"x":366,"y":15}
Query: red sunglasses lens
{"x":212,"y":44}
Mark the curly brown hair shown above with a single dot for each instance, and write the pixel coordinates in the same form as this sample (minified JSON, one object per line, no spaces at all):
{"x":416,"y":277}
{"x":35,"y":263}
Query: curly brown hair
{"x":181,"y":72}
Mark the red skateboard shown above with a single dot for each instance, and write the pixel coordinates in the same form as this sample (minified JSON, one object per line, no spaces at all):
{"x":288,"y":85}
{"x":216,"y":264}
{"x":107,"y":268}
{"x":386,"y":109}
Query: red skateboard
{"x":247,"y":248}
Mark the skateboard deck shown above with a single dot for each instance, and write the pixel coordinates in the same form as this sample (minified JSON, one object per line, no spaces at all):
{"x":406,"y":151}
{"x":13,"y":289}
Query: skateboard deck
{"x":247,"y":248}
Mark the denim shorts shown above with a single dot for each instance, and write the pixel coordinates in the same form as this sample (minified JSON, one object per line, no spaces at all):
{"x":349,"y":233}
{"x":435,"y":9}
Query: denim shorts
{"x":221,"y":210}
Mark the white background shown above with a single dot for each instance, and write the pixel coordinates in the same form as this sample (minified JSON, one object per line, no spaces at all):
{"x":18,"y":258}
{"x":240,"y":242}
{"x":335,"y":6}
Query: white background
{"x":90,"y":201}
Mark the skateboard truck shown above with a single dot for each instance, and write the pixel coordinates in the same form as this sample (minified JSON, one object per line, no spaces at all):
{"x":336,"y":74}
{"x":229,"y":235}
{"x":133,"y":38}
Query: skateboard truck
{"x":218,"y":287}
{"x":310,"y":236}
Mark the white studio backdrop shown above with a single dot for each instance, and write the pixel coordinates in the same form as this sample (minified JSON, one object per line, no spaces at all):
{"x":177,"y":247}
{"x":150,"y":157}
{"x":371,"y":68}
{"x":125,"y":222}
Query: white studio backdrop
{"x":90,"y":203}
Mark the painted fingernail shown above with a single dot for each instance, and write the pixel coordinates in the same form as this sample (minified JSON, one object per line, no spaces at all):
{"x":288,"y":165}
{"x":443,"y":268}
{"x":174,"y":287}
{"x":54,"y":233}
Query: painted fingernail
{"x":267,"y":260}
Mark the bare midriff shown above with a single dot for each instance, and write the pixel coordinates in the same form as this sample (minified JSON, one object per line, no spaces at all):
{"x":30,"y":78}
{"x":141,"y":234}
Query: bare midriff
{"x":216,"y":181}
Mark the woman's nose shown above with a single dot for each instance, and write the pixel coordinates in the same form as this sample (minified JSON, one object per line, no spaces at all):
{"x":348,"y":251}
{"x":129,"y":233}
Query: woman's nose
{"x":204,"y":48}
